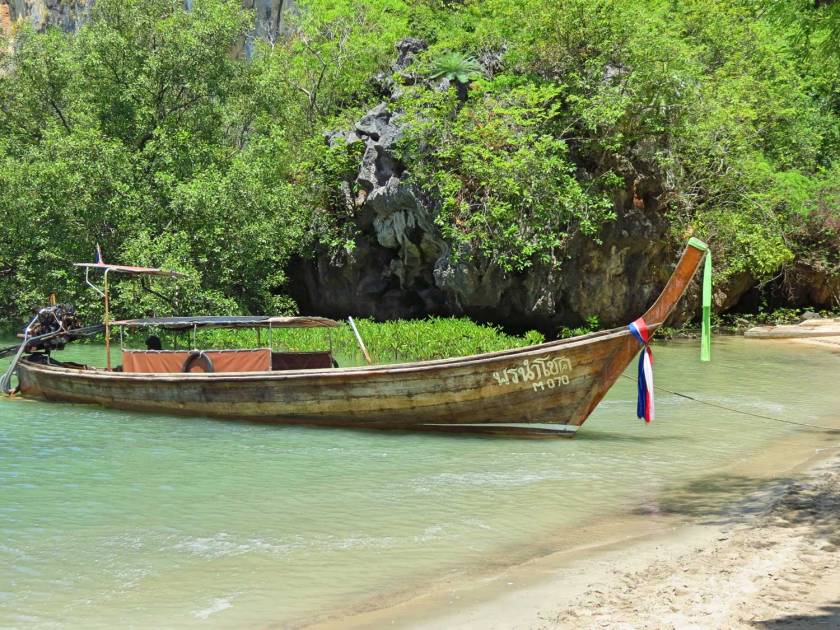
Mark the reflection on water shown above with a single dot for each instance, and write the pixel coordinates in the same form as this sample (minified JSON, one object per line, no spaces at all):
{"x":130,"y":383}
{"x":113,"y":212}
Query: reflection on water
{"x":108,"y":516}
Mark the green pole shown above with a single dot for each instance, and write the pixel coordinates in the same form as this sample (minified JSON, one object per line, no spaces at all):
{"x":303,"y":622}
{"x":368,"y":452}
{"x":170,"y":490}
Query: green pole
{"x":706,"y":326}
{"x":706,"y":322}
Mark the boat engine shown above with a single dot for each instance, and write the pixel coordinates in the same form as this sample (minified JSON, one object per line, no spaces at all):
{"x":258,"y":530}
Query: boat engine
{"x":57,"y":318}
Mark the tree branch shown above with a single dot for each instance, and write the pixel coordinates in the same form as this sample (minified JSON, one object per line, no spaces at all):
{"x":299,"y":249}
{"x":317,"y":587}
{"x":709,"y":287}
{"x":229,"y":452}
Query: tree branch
{"x":61,"y":116}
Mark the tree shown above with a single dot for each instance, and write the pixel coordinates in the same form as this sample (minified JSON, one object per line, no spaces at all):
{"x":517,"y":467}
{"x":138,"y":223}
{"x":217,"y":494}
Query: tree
{"x":458,"y":68}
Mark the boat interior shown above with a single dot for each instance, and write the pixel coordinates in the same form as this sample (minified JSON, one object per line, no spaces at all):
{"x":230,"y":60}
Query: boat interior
{"x":181,"y":361}
{"x":244,"y":360}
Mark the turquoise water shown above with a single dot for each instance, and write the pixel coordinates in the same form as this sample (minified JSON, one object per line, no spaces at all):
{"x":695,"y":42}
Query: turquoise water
{"x":113,"y":518}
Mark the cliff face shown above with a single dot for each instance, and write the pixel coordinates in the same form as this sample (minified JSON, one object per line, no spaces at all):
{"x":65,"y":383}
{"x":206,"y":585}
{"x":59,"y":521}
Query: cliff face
{"x":70,"y":14}
{"x":401,"y":266}
{"x":65,"y":14}
{"x":269,"y":16}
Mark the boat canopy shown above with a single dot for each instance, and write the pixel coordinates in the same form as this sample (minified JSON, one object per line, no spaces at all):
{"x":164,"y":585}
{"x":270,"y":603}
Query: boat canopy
{"x":137,"y":271}
{"x":234,"y":321}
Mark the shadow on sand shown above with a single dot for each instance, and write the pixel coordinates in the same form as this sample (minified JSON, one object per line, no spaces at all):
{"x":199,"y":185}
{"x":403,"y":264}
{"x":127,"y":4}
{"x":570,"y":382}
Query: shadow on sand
{"x":826,"y":617}
{"x":811,"y":504}
{"x":718,"y":498}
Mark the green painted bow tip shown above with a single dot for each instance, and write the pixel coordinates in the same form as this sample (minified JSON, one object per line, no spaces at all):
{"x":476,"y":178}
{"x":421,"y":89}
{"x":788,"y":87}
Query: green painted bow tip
{"x":696,"y":243}
{"x":706,"y":325}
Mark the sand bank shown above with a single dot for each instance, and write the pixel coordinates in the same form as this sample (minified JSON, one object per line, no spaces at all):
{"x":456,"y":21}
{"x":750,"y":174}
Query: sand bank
{"x":777,"y":564}
{"x":756,"y":546}
{"x":772,"y":561}
{"x":810,"y":328}
{"x":825,"y":342}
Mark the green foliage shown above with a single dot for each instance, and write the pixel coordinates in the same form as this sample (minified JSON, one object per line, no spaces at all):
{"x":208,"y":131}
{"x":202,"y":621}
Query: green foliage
{"x":737,"y":323}
{"x":323,"y":68}
{"x":137,"y":134}
{"x":387,"y":342}
{"x":501,"y":172}
{"x":590,"y":324}
{"x":150,"y":133}
{"x":456,"y":67}
{"x":333,"y":223}
{"x":815,"y":238}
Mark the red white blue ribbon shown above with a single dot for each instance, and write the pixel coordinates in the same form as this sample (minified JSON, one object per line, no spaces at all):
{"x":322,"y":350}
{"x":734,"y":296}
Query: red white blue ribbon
{"x":644,"y":404}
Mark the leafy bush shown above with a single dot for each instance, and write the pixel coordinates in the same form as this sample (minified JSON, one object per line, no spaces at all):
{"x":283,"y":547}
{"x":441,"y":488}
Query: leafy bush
{"x":149,"y":133}
{"x":816,"y":235}
{"x":387,"y":342}
{"x":134,"y":135}
{"x":500,"y":173}
{"x":456,"y":67}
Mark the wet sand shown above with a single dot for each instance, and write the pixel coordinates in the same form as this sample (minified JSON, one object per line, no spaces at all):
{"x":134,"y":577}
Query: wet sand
{"x":756,"y":545}
{"x":824,"y":342}
{"x":777,"y":567}
{"x":769,"y":561}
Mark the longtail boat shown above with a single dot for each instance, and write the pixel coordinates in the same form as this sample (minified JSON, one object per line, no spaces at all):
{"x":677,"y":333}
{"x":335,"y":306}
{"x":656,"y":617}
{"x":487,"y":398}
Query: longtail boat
{"x":545,"y":389}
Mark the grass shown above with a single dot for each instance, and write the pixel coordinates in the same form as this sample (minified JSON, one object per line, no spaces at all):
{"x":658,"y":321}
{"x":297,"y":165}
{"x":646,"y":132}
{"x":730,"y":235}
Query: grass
{"x":387,"y":342}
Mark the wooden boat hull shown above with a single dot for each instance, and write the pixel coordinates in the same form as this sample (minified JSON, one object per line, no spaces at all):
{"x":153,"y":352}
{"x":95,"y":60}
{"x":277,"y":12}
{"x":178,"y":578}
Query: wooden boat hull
{"x":550,"y":384}
{"x":557,"y":383}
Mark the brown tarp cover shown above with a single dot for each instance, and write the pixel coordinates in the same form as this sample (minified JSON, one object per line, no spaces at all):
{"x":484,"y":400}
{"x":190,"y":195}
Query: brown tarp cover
{"x":157,"y":361}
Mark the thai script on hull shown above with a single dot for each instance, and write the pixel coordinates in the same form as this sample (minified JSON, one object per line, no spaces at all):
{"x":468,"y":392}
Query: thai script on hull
{"x":547,"y":372}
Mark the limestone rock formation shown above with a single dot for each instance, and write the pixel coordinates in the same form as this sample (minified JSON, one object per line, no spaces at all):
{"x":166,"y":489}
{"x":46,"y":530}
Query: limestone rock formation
{"x":402,"y":265}
{"x":65,"y":14}
{"x":70,"y":14}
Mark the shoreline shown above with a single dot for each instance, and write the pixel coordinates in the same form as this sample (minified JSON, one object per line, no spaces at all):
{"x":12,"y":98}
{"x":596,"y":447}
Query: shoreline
{"x":760,"y":547}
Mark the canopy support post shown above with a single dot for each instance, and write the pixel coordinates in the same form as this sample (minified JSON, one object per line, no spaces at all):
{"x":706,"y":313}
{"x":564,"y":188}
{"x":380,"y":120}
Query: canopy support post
{"x":107,"y":322}
{"x":359,"y":340}
{"x":90,"y":284}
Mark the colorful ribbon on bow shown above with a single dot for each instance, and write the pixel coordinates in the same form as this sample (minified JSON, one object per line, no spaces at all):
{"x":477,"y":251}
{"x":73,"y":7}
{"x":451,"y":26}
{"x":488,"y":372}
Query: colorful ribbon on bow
{"x":644,"y":403}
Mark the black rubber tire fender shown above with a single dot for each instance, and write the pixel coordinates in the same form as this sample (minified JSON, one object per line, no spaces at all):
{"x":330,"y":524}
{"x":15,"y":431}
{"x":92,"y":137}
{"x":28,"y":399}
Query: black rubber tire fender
{"x":200,"y":358}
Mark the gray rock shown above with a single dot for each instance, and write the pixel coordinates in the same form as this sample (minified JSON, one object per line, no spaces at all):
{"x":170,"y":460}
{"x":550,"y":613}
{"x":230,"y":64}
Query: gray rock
{"x":380,"y":125}
{"x":379,"y":129}
{"x":398,"y":212}
{"x":69,"y":15}
{"x":404,"y":267}
{"x":346,"y":137}
{"x":374,"y":122}
{"x":408,"y":48}
{"x":492,"y":60}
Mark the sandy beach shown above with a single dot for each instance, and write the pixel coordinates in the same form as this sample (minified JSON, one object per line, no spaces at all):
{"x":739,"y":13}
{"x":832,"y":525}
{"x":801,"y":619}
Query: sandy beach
{"x":766,"y":565}
{"x":771,"y":560}
{"x":756,"y":546}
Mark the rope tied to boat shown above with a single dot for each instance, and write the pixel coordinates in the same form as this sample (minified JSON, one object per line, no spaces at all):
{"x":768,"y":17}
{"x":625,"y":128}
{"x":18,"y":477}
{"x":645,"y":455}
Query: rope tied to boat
{"x":644,"y":402}
{"x":809,"y":425}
